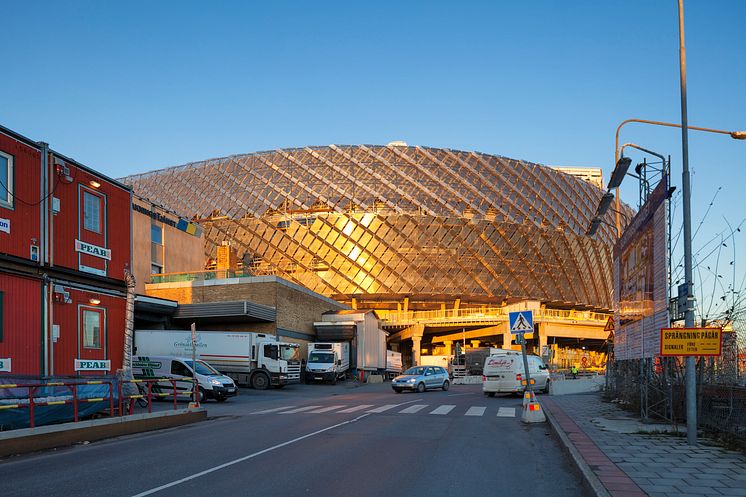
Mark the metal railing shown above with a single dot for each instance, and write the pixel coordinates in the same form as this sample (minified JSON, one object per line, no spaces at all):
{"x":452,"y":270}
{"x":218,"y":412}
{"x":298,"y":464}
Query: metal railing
{"x":116,"y":404}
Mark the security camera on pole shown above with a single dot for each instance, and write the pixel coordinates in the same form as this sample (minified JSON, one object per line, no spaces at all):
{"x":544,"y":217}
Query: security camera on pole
{"x":521,"y":322}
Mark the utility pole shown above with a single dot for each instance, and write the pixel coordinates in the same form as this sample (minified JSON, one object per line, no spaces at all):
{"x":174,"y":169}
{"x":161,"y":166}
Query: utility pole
{"x":691,"y":379}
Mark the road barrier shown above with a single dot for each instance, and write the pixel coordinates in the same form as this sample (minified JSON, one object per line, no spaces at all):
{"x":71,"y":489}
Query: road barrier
{"x":35,"y":395}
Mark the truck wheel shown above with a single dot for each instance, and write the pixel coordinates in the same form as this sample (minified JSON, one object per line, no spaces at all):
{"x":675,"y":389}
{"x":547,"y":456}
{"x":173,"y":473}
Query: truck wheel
{"x":421,"y":387}
{"x":260,"y":381}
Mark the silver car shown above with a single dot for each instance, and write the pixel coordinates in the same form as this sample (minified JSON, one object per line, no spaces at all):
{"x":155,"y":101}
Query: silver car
{"x":421,"y":378}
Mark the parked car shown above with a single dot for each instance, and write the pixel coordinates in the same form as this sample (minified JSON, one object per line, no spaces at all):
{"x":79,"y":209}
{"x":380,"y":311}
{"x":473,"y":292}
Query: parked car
{"x":421,"y":378}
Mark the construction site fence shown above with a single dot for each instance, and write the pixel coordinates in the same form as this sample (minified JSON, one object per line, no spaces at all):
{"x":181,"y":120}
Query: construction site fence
{"x":655,"y":388}
{"x":26,"y":403}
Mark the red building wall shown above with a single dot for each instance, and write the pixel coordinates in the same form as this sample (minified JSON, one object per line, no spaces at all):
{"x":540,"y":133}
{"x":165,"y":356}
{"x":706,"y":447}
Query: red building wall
{"x":24,"y":216}
{"x":69,"y":345}
{"x":68,"y":224}
{"x":21,"y":323}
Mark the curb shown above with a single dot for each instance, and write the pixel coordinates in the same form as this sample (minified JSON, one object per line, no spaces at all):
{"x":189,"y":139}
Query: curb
{"x":590,"y":477}
{"x":25,"y":440}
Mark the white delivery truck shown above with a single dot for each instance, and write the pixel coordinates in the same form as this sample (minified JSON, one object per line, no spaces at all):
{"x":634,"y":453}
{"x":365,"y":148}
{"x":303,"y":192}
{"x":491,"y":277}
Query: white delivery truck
{"x":503,"y":372}
{"x":328,"y":361}
{"x":254,"y":359}
{"x":211,"y":383}
{"x":363,"y":330}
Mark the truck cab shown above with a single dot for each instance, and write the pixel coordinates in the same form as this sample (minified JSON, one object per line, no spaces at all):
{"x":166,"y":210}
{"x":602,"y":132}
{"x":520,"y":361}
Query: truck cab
{"x":277,"y":362}
{"x":327,"y":362}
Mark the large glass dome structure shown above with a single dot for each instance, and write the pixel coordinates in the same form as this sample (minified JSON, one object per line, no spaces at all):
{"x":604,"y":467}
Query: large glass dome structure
{"x":379,"y":223}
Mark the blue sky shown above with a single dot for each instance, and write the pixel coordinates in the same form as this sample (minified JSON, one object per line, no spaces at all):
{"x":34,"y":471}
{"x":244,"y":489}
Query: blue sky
{"x":127,"y":87}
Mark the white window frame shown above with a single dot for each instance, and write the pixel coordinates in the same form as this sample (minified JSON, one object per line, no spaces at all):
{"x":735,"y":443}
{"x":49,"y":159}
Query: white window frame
{"x":100,"y":203}
{"x":101,"y":325}
{"x":6,"y":192}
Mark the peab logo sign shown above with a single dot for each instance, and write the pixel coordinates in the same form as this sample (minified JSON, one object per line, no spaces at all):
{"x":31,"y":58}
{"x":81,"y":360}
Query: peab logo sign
{"x":5,"y":225}
{"x":5,"y":364}
{"x":94,"y":250}
{"x":92,"y":365}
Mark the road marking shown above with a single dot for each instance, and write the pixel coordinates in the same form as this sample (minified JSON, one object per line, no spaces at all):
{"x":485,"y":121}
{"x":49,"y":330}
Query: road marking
{"x":413,"y":409}
{"x":506,"y":412}
{"x":273,"y":410}
{"x":444,"y":409}
{"x":245,"y":458}
{"x":356,"y":408}
{"x":475,"y":411}
{"x":384,"y":408}
{"x":325,"y":409}
{"x":459,"y":394}
{"x":300,"y":409}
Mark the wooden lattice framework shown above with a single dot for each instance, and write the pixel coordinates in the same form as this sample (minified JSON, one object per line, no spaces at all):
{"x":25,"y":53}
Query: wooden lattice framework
{"x":366,"y":221}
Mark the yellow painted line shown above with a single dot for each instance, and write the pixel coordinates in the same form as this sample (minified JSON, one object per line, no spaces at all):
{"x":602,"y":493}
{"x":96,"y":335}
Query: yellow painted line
{"x":11,"y":406}
{"x":94,"y":400}
{"x":55,"y":384}
{"x":55,"y":403}
{"x":93,"y":382}
{"x":9,"y":385}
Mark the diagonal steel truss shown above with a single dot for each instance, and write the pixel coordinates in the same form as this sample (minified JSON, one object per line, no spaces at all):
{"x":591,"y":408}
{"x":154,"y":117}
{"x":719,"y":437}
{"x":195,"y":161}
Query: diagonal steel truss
{"x":395,"y":220}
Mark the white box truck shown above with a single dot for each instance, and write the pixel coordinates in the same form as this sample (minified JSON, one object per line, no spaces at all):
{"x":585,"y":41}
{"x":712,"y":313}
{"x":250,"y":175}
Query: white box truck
{"x":362,"y":329}
{"x":393,"y":363}
{"x":254,"y":359}
{"x":328,"y":361}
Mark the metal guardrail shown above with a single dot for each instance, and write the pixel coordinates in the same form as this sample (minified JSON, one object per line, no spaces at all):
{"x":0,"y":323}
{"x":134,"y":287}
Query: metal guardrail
{"x":488,"y":315}
{"x":30,"y":400}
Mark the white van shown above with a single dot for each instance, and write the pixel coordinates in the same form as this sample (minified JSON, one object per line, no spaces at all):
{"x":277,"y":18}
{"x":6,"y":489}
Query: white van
{"x":211,"y":383}
{"x":503,"y":371}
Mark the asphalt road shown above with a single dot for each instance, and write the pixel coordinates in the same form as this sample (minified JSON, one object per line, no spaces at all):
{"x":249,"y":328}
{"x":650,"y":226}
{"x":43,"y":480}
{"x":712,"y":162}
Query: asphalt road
{"x":318,"y":440}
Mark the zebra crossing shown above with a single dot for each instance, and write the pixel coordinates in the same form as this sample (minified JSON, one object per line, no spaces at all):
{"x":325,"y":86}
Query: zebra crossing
{"x":431,"y":410}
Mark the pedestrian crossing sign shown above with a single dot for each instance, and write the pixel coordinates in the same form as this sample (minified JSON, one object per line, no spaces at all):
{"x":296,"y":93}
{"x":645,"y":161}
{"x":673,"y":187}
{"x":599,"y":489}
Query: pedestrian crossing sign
{"x":521,"y":322}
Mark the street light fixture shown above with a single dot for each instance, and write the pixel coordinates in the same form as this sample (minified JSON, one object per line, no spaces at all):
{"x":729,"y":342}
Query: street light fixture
{"x":604,"y":205}
{"x":622,"y":165}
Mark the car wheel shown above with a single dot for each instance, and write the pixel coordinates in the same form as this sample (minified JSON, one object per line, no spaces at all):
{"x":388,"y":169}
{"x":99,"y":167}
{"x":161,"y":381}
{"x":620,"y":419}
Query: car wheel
{"x":421,"y":387}
{"x":201,"y":395}
{"x":546,"y":387}
{"x":260,"y":381}
{"x":490,"y":394}
{"x":446,"y":385}
{"x":397,"y":390}
{"x":220,"y":398}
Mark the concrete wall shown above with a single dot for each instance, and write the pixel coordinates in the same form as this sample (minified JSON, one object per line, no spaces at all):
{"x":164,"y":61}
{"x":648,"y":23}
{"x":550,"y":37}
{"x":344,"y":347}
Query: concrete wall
{"x":297,"y":307}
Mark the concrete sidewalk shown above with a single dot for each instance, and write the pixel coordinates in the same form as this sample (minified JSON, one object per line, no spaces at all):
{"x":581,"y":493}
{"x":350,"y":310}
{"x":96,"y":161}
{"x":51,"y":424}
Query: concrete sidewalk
{"x":618,"y":460}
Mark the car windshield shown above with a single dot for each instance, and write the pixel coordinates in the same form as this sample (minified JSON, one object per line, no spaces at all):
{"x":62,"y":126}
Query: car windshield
{"x":289,"y":352}
{"x":321,"y":357}
{"x":203,"y":368}
{"x":417,"y":370}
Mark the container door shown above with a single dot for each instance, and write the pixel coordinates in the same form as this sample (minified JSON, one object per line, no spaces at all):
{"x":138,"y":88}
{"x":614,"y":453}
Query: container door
{"x":92,"y":336}
{"x":91,"y":245}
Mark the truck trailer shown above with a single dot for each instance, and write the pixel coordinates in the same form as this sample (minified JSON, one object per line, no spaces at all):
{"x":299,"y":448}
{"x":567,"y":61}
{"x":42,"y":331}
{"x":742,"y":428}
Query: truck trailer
{"x":254,"y":359}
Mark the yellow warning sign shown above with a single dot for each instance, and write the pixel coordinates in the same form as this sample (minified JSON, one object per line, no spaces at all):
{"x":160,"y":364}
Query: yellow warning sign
{"x":691,"y":341}
{"x":609,"y":324}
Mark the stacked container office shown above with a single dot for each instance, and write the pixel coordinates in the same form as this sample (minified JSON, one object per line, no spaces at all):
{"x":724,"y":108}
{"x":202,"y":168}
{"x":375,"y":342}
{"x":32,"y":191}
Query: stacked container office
{"x":64,"y":248}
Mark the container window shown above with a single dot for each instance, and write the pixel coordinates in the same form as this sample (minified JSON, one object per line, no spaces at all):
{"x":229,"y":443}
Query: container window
{"x":92,"y":320}
{"x":1,"y":316}
{"x":91,"y":212}
{"x":6,"y":180}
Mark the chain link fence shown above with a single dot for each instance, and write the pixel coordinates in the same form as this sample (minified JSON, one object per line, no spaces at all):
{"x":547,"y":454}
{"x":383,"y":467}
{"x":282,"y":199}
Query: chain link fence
{"x":655,"y":388}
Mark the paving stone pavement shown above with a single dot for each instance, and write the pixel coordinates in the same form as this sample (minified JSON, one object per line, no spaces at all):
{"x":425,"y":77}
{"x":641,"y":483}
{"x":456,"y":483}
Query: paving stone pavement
{"x":639,"y":464}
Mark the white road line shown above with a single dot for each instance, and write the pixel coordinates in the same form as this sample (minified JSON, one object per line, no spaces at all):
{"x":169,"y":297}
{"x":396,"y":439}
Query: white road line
{"x":413,"y":409}
{"x":390,"y":406}
{"x":475,"y":411}
{"x":506,"y":412}
{"x":384,"y":408}
{"x":245,"y":458}
{"x":325,"y":409}
{"x":444,"y":409}
{"x":300,"y":409}
{"x":273,"y":410}
{"x":356,"y":408}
